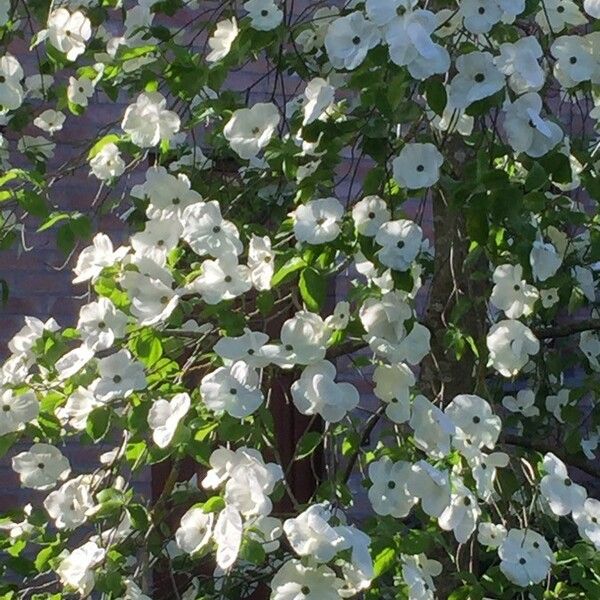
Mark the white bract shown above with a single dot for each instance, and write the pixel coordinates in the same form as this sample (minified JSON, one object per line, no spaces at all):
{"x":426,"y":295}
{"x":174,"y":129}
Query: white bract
{"x":389,"y":494}
{"x":562,"y":494}
{"x":370,"y":214}
{"x":417,"y":166}
{"x":164,"y":418}
{"x":222,"y":39}
{"x":316,"y":392}
{"x":195,"y":530}
{"x":41,"y":467}
{"x":17,"y":411}
{"x":511,"y":293}
{"x":310,"y":534}
{"x":68,"y":32}
{"x":250,"y":129}
{"x":525,"y":557}
{"x":148,"y":121}
{"x":392,"y":385}
{"x":511,"y":344}
{"x":401,"y":243}
{"x":232,"y":389}
{"x":349,"y":39}
{"x":527,"y":131}
{"x":318,"y":221}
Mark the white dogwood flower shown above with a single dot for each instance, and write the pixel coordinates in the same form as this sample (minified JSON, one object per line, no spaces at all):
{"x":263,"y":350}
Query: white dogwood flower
{"x":389,"y":494}
{"x":392,"y":385}
{"x":523,"y":402}
{"x":250,"y":129}
{"x":77,"y":569}
{"x":108,"y":162}
{"x":222,"y":39}
{"x":49,"y":121}
{"x":432,"y":428}
{"x":234,"y":390}
{"x":519,"y":62}
{"x":80,"y":90}
{"x":318,"y":221}
{"x":319,"y":95}
{"x":369,"y":215}
{"x":462,"y":514}
{"x":261,"y":262}
{"x":417,"y":166}
{"x":164,"y":417}
{"x":69,"y":505}
{"x":401,"y":243}
{"x":100,"y":323}
{"x":221,"y":279}
{"x":491,"y":535}
{"x":527,"y":131}
{"x":303,"y":339}
{"x":264,"y":14}
{"x":349,"y":39}
{"x":555,"y":403}
{"x":473,"y":416}
{"x":525,"y":557}
{"x":94,"y":258}
{"x":120,"y":375}
{"x":477,"y":78}
{"x":295,"y":580}
{"x":511,"y":293}
{"x":168,"y":195}
{"x":17,"y":410}
{"x":195,"y":529}
{"x":68,"y":32}
{"x":227,"y":534}
{"x":544,"y":260}
{"x":41,"y":466}
{"x":587,"y":519}
{"x":148,"y":121}
{"x":562,"y":494}
{"x":431,"y":486}
{"x":317,"y":392}
{"x":207,"y":232}
{"x":510,"y":344}
{"x":247,"y":347}
{"x":589,"y":344}
{"x":11,"y":90}
{"x":311,"y":535}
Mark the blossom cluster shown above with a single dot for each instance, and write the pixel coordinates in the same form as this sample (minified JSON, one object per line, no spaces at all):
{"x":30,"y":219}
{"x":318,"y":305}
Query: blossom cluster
{"x":425,"y":158}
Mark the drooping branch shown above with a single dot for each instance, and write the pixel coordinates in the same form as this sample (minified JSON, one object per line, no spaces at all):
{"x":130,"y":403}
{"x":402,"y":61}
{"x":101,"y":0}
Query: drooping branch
{"x":540,"y":446}
{"x":567,"y":329}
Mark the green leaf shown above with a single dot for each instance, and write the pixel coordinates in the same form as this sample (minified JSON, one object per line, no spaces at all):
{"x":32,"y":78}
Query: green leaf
{"x":384,"y":561}
{"x":307,"y":444}
{"x":313,"y":289}
{"x":253,"y":551}
{"x":43,"y":558}
{"x":52,"y":219}
{"x":98,"y":423}
{"x":435,"y":92}
{"x":97,"y":147}
{"x":291,"y":266}
{"x":213,"y":505}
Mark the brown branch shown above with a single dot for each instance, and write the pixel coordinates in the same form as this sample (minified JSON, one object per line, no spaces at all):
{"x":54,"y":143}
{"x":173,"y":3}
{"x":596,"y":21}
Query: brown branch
{"x":370,"y":425}
{"x":539,"y":446}
{"x":567,"y":329}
